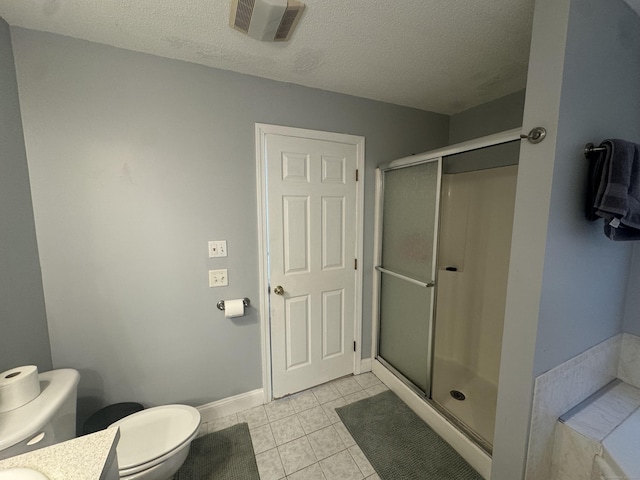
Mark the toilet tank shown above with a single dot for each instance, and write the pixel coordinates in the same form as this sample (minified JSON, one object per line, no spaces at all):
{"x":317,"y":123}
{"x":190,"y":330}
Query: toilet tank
{"x":47,"y":419}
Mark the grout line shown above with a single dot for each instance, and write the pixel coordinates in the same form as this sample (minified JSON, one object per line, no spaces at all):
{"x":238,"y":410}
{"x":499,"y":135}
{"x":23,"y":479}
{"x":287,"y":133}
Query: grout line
{"x":354,"y":461}
{"x":340,"y":395}
{"x":280,"y":457}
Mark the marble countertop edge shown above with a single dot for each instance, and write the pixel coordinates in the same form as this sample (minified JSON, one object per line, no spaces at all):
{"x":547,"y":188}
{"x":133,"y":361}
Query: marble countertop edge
{"x":82,"y":458}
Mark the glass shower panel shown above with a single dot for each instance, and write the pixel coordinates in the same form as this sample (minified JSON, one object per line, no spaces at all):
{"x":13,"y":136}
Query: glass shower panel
{"x":408,"y":216}
{"x":404,"y":328}
{"x":409,"y":220}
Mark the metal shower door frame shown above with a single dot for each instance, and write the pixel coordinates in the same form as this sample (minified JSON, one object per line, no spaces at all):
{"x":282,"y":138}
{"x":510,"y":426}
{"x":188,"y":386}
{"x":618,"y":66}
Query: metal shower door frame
{"x":379,"y":271}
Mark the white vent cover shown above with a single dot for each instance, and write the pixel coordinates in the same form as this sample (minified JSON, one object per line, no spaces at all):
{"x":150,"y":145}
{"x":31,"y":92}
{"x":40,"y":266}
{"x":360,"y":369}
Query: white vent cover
{"x":268,"y":20}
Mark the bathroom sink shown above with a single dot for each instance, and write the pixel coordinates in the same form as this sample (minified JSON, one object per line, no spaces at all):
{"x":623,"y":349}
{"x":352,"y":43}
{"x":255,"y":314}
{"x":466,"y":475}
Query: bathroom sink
{"x":21,"y":474}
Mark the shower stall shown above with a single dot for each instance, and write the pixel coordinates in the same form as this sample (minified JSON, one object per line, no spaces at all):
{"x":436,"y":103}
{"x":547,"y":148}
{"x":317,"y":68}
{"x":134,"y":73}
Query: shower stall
{"x":443,"y":238}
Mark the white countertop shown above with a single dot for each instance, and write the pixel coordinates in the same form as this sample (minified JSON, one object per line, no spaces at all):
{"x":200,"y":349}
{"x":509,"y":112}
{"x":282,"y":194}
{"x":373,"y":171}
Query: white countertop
{"x":84,"y":458}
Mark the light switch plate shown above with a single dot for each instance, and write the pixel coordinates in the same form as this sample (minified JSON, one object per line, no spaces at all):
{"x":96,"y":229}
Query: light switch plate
{"x":217,"y":248}
{"x":218,"y":278}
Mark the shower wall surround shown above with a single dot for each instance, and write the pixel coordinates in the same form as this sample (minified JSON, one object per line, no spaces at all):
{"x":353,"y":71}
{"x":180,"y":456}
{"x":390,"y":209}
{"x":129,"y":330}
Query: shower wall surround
{"x":628,"y":367}
{"x":566,"y":385}
{"x":561,"y":388}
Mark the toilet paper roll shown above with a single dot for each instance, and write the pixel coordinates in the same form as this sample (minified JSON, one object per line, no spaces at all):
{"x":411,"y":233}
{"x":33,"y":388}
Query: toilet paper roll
{"x":18,"y":387}
{"x":233,"y":308}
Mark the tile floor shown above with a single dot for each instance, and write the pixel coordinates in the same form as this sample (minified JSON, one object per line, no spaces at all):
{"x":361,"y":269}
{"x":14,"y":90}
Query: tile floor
{"x":301,"y":437}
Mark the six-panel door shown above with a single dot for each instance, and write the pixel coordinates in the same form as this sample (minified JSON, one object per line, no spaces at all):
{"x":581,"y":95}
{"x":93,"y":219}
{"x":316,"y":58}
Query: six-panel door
{"x":312,"y":247}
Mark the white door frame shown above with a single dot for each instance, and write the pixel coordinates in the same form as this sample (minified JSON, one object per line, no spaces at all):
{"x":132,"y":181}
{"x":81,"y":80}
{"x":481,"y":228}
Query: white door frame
{"x":263,"y":129}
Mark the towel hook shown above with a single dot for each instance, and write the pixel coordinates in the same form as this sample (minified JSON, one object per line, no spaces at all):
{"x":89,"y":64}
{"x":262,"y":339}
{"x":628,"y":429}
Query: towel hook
{"x":536,"y":135}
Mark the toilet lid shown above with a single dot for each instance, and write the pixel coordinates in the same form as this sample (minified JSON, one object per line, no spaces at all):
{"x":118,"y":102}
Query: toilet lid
{"x":150,"y":434}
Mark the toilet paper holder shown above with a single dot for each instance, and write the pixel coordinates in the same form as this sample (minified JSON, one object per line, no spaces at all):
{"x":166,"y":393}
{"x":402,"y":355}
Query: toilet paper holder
{"x":245,"y":301}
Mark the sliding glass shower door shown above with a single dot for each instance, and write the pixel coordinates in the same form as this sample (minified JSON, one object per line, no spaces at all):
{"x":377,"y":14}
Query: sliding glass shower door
{"x":447,"y":220}
{"x":407,"y":270}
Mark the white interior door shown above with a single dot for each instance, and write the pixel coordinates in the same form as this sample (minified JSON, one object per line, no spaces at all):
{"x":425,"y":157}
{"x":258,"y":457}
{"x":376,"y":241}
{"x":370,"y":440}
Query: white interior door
{"x":311,"y":196}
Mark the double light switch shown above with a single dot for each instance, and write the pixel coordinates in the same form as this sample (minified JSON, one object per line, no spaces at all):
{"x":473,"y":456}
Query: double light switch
{"x":218,"y":278}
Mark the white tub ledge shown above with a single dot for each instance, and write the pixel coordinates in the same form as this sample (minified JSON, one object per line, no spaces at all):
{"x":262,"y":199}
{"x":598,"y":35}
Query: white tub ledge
{"x":621,"y":449}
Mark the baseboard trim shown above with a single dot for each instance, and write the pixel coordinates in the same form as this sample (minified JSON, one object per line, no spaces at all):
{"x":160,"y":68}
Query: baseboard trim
{"x":365,"y":365}
{"x":476,"y":457}
{"x":230,"y":405}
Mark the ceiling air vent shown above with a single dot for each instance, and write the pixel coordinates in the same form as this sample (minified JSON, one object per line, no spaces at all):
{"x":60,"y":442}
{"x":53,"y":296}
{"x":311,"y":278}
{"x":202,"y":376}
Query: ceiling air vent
{"x":268,"y":20}
{"x":243,"y":10}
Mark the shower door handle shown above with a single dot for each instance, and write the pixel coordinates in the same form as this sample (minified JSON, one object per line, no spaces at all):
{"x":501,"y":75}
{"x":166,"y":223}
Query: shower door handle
{"x":405,"y":278}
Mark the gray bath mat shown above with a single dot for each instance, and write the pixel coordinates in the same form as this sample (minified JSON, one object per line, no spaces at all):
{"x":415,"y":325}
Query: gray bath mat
{"x":399,"y":444}
{"x":223,"y":455}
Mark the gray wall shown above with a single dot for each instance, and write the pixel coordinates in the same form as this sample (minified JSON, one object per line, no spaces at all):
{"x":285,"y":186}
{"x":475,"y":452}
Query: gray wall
{"x":492,"y":117}
{"x":567,"y":282}
{"x":585,"y":273}
{"x":496,"y":116}
{"x":24,"y":338}
{"x":136,"y":162}
{"x":632,"y":307}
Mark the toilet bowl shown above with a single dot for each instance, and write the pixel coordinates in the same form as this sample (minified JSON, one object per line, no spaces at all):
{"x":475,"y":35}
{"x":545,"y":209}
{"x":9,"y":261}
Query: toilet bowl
{"x":154,"y":443}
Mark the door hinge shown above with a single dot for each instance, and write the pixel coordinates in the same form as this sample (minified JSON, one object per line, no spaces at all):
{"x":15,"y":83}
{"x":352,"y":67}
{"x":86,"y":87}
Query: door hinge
{"x":355,"y":264}
{"x":356,"y":174}
{"x":354,"y":345}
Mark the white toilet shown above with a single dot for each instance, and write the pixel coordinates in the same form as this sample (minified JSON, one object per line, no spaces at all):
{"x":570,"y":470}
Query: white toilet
{"x":47,"y":419}
{"x":153,"y":443}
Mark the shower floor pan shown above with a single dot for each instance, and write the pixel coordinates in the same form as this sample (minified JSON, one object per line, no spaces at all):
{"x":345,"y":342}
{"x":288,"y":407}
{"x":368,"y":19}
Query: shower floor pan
{"x":478,"y":411}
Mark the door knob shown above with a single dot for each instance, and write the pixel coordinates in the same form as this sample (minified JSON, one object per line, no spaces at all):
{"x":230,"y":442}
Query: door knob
{"x":278,"y":290}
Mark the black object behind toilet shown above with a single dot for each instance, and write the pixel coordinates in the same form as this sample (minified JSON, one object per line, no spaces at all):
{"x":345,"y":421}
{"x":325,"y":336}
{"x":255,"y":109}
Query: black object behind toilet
{"x":109,"y":414}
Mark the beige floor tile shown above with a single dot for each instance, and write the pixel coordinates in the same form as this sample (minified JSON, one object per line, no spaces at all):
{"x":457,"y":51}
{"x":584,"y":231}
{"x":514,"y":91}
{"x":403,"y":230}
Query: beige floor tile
{"x":269,"y":465}
{"x":303,"y":401}
{"x":262,"y":438}
{"x":313,"y":419}
{"x":254,"y":417}
{"x":330,"y":409}
{"x":222,"y":422}
{"x":325,"y":393}
{"x":363,"y":463}
{"x":341,"y":466}
{"x":286,"y":430}
{"x":297,"y":455}
{"x":345,"y":436}
{"x":279,"y":409}
{"x":376,"y":389}
{"x":313,"y":472}
{"x":326,"y":442}
{"x":367,"y":380}
{"x":354,"y":397}
{"x":346,"y":386}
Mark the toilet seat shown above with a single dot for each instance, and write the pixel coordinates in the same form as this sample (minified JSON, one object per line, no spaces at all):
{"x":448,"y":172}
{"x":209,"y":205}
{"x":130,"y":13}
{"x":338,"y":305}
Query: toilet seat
{"x":150,"y":437}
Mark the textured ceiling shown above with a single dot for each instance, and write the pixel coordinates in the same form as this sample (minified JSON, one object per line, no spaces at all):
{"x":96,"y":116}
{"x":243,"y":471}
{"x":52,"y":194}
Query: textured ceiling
{"x":439,"y":55}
